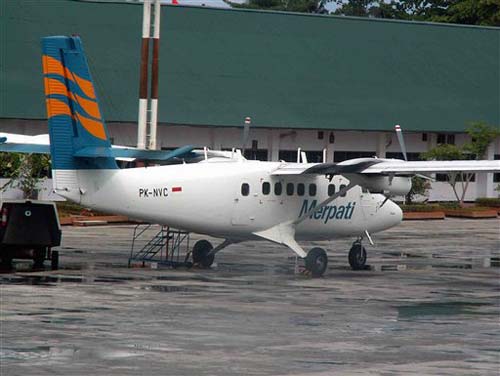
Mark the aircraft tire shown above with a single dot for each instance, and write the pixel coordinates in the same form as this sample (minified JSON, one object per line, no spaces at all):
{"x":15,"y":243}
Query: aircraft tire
{"x":200,"y":254}
{"x":357,"y":257}
{"x":316,"y":261}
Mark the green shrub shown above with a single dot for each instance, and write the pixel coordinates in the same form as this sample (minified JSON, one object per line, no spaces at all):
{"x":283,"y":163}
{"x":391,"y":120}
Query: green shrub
{"x":420,"y":208}
{"x":490,"y":202}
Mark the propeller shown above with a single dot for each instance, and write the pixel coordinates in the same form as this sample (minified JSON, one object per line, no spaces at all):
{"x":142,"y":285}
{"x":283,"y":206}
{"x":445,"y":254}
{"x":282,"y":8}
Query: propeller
{"x":246,"y":133}
{"x":399,"y":134}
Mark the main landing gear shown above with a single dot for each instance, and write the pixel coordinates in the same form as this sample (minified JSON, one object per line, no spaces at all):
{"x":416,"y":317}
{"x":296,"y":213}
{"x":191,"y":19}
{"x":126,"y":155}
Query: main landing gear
{"x":202,"y":255}
{"x":204,"y":252}
{"x":357,"y":256}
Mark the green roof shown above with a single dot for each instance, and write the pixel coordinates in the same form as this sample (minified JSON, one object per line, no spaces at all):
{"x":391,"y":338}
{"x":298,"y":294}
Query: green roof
{"x":282,"y":69}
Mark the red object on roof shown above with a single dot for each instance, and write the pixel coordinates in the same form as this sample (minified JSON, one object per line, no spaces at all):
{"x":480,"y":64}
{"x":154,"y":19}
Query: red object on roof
{"x":175,"y":2}
{"x":176,"y":189}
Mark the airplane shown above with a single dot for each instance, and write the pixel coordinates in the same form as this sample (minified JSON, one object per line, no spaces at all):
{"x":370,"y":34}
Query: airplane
{"x":221,"y":194}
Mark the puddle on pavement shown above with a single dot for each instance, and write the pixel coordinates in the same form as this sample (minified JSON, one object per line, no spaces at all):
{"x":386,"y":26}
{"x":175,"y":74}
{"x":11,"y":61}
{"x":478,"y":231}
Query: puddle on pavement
{"x":51,"y":280}
{"x":422,"y":310}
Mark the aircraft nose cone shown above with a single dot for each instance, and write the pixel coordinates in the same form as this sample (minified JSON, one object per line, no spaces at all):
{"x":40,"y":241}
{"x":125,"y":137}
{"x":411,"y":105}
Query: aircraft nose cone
{"x":393,"y":213}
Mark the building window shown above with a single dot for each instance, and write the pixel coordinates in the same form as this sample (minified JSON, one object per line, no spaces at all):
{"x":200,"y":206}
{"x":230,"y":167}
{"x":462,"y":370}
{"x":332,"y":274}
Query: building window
{"x":301,"y":189}
{"x":444,"y":138}
{"x":312,"y":189}
{"x":256,"y":154}
{"x":266,"y":188}
{"x":245,"y":189}
{"x":278,"y":188}
{"x":424,"y":136}
{"x":411,"y":156}
{"x":446,"y":177}
{"x":321,"y":135}
{"x":340,"y":156}
{"x":331,"y":189}
{"x":289,"y":189}
{"x":313,"y":156}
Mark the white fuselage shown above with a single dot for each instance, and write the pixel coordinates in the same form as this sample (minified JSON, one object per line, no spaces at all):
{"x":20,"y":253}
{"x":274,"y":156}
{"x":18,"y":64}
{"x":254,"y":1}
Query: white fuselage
{"x":207,"y":198}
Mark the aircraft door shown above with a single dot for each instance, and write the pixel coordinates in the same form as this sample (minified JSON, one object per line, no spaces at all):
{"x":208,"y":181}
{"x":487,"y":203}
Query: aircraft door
{"x":368,"y":204}
{"x":242,"y":205}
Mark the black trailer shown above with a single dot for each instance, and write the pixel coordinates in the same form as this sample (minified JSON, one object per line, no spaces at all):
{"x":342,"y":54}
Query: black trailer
{"x":29,"y":230}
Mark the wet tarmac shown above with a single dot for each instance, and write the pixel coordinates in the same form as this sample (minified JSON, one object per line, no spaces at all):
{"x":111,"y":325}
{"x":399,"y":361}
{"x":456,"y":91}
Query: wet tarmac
{"x":429,"y":305}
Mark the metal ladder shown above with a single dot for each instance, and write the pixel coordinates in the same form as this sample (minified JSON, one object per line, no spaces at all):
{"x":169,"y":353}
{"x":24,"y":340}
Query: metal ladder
{"x":164,"y":247}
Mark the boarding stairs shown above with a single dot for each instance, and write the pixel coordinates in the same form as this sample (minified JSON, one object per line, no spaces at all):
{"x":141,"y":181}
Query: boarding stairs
{"x":159,"y":245}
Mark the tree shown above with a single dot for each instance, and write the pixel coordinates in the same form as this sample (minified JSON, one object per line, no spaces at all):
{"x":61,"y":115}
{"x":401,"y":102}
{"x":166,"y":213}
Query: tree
{"x":419,"y":186}
{"x":25,"y":171}
{"x":303,"y":6}
{"x":482,"y":135}
{"x":471,"y":12}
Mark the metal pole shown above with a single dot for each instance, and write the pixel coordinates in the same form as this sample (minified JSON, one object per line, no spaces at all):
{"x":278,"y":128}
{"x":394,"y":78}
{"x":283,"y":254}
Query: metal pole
{"x":154,"y":76}
{"x":143,"y":82}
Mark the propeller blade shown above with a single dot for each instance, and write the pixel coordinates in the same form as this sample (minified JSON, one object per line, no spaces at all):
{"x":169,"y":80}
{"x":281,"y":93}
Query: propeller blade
{"x":246,"y":133}
{"x":425,"y":177}
{"x":401,"y":141}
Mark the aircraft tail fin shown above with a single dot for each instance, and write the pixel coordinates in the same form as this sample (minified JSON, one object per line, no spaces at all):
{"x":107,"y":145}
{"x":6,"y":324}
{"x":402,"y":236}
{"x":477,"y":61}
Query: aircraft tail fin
{"x":74,"y":117}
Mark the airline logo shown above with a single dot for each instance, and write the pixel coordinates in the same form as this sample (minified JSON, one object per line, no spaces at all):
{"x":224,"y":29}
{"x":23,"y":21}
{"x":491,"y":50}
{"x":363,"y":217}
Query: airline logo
{"x":328,"y":212}
{"x":70,"y":94}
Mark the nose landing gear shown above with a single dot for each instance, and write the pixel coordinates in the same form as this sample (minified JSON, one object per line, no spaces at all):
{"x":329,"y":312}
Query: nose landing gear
{"x":316,"y":262}
{"x":357,"y":256}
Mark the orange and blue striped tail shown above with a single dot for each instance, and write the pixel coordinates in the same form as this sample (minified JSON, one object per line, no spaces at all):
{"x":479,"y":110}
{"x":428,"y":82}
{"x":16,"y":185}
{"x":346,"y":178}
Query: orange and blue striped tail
{"x":75,"y":119}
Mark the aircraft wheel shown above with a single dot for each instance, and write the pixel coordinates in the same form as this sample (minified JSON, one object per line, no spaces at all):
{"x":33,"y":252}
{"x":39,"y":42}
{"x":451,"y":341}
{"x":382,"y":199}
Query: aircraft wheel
{"x":38,"y":258}
{"x":54,"y":260}
{"x":357,"y":256}
{"x":316,"y":262}
{"x":200,"y":254}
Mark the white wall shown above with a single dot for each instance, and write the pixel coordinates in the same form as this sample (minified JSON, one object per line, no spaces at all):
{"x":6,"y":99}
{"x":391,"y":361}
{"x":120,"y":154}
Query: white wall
{"x":282,"y":139}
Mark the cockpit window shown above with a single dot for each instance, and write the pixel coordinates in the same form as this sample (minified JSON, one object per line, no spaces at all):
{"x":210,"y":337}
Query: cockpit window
{"x":331,"y":189}
{"x":342,"y":186}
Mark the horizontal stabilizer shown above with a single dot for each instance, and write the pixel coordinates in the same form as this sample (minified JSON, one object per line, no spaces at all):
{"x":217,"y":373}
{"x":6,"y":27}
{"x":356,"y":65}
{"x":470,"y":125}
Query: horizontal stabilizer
{"x":156,"y":155}
{"x":23,"y":148}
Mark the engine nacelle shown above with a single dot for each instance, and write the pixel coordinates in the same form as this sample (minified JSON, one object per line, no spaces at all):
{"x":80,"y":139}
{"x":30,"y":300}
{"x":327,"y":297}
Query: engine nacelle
{"x":392,"y":186}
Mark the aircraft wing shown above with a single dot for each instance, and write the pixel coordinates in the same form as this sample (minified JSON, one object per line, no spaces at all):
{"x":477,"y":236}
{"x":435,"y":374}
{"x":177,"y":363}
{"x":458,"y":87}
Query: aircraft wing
{"x":388,"y":167}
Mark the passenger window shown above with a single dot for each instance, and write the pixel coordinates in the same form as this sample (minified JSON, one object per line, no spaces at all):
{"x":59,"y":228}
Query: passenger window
{"x":312,"y":189}
{"x":331,"y":189}
{"x":300,"y":189}
{"x":278,"y":188}
{"x":289,"y":189}
{"x":245,"y":189}
{"x":342,"y":186}
{"x":266,"y":188}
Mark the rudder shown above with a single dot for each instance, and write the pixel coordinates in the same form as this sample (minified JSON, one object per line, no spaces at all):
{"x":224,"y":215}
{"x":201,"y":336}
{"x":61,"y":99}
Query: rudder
{"x":74,"y":117}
